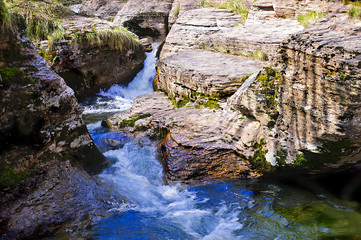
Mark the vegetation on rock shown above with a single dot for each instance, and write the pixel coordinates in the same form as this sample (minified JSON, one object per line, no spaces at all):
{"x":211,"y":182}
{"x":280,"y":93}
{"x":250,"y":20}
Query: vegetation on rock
{"x":38,"y":18}
{"x":354,"y":13}
{"x":311,"y":17}
{"x":236,"y":6}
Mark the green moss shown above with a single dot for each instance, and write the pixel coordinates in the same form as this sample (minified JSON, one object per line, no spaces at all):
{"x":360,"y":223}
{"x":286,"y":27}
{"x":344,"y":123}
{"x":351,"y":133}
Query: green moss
{"x":9,"y":177}
{"x":131,"y":121}
{"x":212,"y":104}
{"x":258,"y":160}
{"x":9,"y":76}
{"x":340,"y":222}
{"x":300,"y":160}
{"x":309,"y":18}
{"x":269,"y":82}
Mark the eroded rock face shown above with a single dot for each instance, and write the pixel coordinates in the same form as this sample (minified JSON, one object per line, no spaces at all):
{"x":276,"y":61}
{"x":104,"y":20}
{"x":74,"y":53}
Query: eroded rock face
{"x":290,"y":9}
{"x":45,"y":145}
{"x":196,"y":143}
{"x":87,"y":66}
{"x":318,"y":98}
{"x":215,"y":75}
{"x":145,"y":18}
{"x":220,"y":30}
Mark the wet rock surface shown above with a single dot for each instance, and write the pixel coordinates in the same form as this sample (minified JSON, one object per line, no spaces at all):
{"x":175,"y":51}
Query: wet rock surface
{"x":45,"y":145}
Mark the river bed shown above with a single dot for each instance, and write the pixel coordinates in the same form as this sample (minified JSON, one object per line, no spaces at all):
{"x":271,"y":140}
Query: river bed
{"x":153,"y":208}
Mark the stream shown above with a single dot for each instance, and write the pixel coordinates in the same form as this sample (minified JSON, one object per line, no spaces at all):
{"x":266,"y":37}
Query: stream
{"x":248,"y":209}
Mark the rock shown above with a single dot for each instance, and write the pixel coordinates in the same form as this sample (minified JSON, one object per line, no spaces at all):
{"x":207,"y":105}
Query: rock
{"x":290,"y":9}
{"x":320,"y":96}
{"x":45,"y":146}
{"x":106,"y":9}
{"x":181,"y":6}
{"x":145,"y":18}
{"x":88,"y":66}
{"x":215,"y":75}
{"x":147,"y":45}
{"x":316,"y":105}
{"x":195,"y":143}
{"x":220,"y":30}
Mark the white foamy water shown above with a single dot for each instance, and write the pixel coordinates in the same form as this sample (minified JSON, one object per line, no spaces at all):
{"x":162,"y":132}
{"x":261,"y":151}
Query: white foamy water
{"x":119,"y":98}
{"x":138,"y":176}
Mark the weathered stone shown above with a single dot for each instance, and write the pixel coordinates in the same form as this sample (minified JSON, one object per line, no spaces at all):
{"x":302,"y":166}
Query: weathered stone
{"x":290,"y":9}
{"x":40,"y":168}
{"x":101,"y":8}
{"x":320,"y":97}
{"x":213,"y":75}
{"x":318,"y":101}
{"x":220,"y":30}
{"x":195,"y":143}
{"x":145,"y":18}
{"x":85,"y":66}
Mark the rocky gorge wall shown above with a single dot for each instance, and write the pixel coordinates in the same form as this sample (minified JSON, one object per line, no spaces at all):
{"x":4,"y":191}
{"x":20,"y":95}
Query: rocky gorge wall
{"x":297,"y":106}
{"x":46,"y":151}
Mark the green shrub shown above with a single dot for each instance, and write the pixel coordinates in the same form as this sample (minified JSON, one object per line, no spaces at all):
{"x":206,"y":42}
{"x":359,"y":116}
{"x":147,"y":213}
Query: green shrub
{"x":354,"y":13}
{"x":309,"y":18}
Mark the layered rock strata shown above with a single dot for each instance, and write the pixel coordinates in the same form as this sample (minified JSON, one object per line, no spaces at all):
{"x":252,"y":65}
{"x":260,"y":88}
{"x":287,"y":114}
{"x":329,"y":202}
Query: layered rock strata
{"x":220,"y":30}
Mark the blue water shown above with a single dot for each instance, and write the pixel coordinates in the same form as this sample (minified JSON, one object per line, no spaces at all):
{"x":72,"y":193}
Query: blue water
{"x":153,"y":208}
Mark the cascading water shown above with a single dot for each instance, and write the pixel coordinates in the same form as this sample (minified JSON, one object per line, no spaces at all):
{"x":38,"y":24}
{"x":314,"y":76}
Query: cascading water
{"x":218,"y":210}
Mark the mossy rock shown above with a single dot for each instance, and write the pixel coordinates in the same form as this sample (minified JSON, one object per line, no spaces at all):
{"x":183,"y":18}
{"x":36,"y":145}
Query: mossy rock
{"x":9,"y":177}
{"x":10,"y":76}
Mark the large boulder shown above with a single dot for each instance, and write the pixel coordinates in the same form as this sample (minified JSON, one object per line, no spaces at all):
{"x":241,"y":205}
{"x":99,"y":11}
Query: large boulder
{"x":145,"y":18}
{"x":198,"y":72}
{"x":94,"y":54}
{"x":221,"y":30}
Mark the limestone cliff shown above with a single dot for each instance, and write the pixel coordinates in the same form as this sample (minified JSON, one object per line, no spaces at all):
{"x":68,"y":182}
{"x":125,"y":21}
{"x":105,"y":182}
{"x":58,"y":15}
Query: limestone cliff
{"x":296,"y":98}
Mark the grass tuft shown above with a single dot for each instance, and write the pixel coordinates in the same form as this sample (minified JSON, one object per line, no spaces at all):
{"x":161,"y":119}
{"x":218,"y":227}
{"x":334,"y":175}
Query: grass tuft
{"x":354,"y":13}
{"x":236,"y":6}
{"x":309,"y":18}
